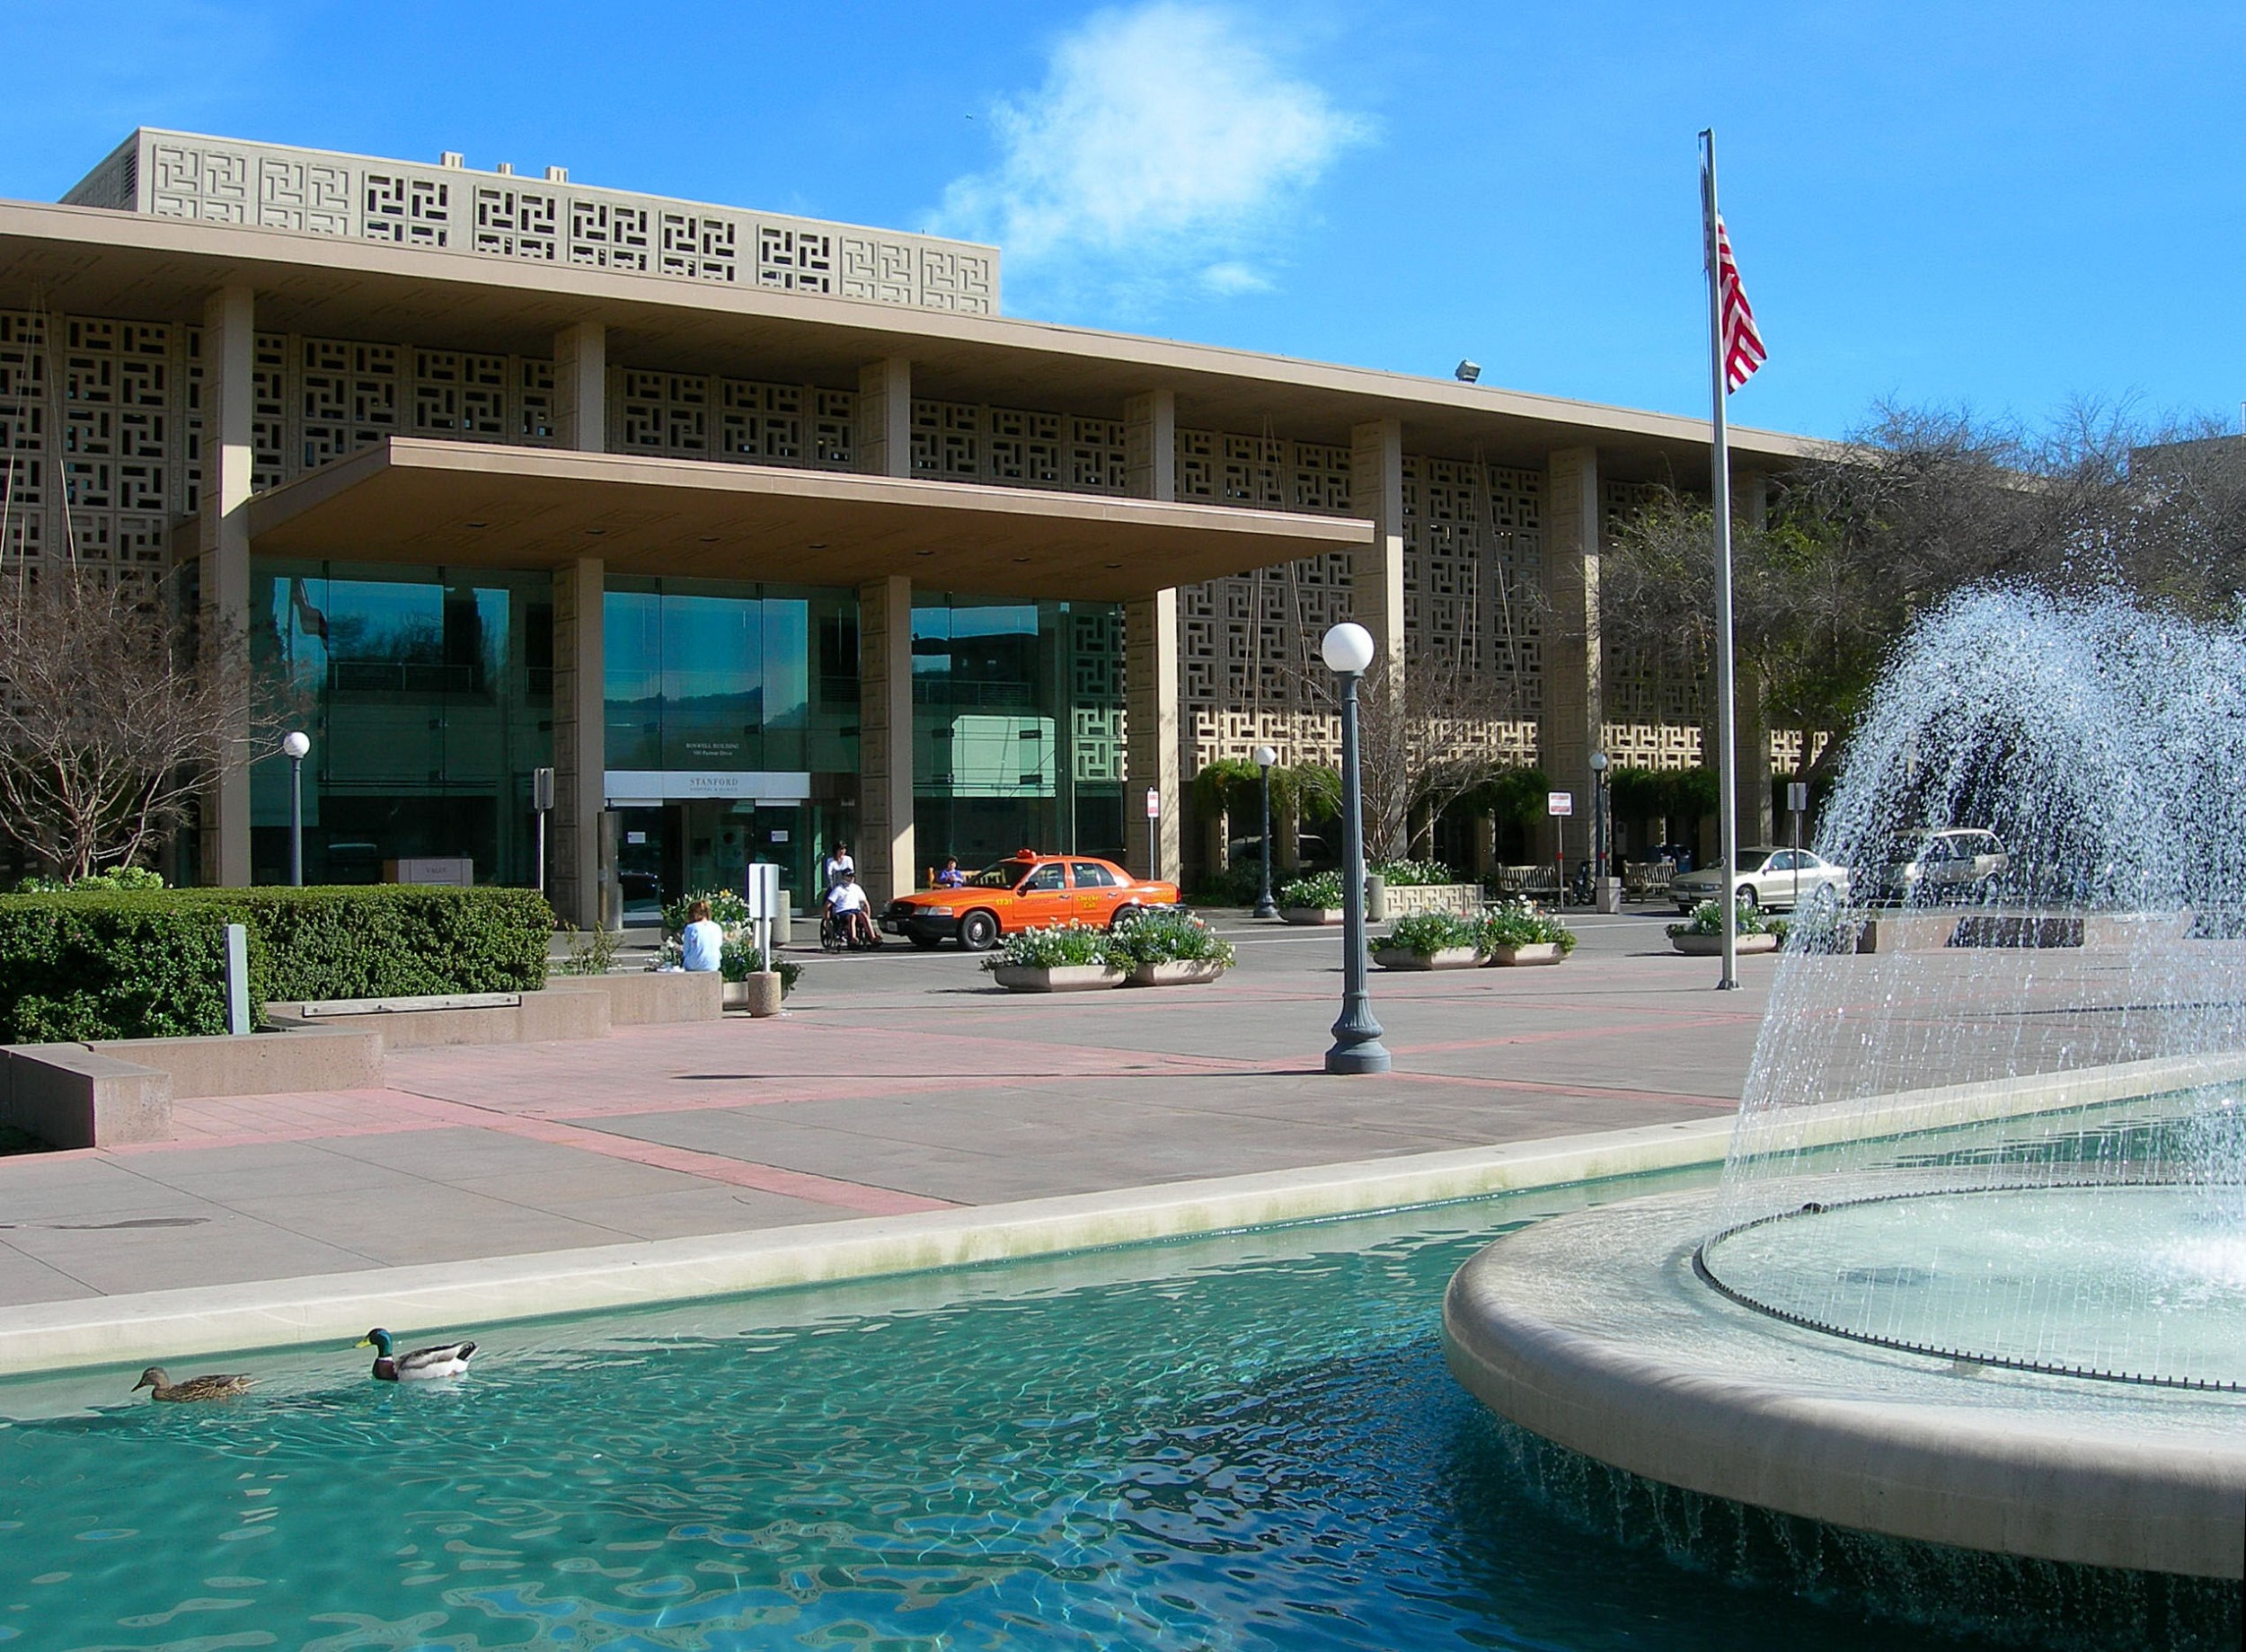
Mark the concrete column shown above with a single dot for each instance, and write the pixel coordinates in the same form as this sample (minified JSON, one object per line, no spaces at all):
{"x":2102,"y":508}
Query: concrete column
{"x":1151,"y":760}
{"x":1158,"y":746}
{"x":580,"y":758}
{"x":885,"y":848}
{"x":885,"y":417}
{"x":1568,"y":731}
{"x":223,"y":546}
{"x":1150,"y":444}
{"x":580,"y":387}
{"x":1376,"y":602}
{"x":1750,"y":722}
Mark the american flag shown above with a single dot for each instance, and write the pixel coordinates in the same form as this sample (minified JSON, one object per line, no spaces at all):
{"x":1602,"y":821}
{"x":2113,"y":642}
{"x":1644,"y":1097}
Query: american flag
{"x":1743,"y":350}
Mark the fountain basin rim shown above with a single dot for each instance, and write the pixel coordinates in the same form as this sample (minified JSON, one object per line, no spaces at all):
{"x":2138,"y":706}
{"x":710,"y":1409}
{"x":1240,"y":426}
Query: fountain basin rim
{"x":1706,"y":1275}
{"x":1593,"y":1331}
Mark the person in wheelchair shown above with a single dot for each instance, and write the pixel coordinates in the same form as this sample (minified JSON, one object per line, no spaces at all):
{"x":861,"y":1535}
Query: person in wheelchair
{"x":849,"y":913}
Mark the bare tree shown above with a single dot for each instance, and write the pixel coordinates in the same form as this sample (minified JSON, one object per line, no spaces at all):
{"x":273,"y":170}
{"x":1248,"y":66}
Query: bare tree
{"x":114,"y":708}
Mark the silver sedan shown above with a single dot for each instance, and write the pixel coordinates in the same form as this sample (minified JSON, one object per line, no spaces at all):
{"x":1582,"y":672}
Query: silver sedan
{"x":1775,"y":879}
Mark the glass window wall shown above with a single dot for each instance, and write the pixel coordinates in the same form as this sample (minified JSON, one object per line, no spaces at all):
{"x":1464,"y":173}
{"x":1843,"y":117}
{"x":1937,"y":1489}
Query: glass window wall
{"x":1017,"y":727}
{"x":428,"y":697}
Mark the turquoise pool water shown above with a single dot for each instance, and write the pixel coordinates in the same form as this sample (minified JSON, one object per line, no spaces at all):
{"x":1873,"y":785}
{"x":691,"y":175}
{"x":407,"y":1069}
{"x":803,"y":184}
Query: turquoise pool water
{"x":1247,"y":1442}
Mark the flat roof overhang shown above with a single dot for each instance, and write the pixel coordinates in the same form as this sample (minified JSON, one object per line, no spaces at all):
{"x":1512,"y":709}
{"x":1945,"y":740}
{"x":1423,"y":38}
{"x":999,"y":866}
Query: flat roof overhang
{"x":95,"y":261}
{"x":425,"y":502}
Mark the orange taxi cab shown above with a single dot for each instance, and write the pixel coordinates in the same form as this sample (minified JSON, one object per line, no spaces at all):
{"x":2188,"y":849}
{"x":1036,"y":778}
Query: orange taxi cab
{"x":1026,"y":891}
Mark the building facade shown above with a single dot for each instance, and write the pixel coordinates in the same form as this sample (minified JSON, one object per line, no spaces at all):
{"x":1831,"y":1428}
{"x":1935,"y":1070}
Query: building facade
{"x":763,"y":533}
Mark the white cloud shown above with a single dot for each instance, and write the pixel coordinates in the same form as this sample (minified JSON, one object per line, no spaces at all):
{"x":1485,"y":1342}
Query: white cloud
{"x":1164,"y":146}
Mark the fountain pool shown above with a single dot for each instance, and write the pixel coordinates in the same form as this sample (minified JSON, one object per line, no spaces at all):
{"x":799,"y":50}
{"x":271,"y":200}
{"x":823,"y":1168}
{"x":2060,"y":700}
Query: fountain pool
{"x":1247,"y":1441}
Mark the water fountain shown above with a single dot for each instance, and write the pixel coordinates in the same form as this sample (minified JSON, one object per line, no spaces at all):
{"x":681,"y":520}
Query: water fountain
{"x":1976,"y":1275}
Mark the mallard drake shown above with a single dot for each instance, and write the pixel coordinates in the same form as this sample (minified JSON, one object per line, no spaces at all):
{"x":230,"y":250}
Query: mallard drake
{"x":216,"y":1386}
{"x":444,"y":1360}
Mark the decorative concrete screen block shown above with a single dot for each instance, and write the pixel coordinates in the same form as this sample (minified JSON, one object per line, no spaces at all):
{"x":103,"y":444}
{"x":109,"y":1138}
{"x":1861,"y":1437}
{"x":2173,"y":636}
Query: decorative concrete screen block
{"x":453,"y":208}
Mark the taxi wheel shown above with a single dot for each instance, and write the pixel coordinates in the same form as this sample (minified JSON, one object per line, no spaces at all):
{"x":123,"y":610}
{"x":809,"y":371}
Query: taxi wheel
{"x":1125,"y":916}
{"x":978,"y":930}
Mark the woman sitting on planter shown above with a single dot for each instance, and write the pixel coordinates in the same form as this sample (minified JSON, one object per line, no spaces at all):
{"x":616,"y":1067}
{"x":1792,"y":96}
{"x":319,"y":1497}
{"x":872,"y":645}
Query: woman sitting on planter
{"x":702,"y":945}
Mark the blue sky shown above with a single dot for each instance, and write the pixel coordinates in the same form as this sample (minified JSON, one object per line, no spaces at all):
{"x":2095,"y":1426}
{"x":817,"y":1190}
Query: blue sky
{"x":2007,"y":207}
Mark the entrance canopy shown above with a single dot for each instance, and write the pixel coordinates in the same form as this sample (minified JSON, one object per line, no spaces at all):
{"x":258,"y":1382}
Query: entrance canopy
{"x":422,"y":501}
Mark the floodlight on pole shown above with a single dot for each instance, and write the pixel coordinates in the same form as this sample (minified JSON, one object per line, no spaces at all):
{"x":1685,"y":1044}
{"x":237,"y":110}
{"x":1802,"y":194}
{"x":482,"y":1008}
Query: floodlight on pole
{"x":1265,"y":756}
{"x":1347,"y":651}
{"x":295,"y":744}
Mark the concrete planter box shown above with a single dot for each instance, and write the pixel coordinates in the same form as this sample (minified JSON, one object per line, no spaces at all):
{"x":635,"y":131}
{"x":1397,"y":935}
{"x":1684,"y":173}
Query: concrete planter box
{"x":1177,"y":972}
{"x":1534,"y":952}
{"x":1711,"y":945}
{"x":1060,"y":979}
{"x":1312,"y":915}
{"x":1446,"y":957}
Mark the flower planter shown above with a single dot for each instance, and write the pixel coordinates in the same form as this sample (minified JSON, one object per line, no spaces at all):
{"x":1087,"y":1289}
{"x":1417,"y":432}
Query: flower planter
{"x":1312,"y":915}
{"x":1177,"y":972}
{"x":1446,"y":957}
{"x":1711,"y":945}
{"x":1534,"y":952}
{"x":1058,"y":978}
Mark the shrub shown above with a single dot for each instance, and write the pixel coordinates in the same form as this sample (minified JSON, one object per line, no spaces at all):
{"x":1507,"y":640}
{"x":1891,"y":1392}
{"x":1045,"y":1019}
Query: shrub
{"x":1707,"y":919}
{"x":96,"y":965}
{"x":1408,"y":874}
{"x":1430,"y":932}
{"x":1321,"y":890}
{"x":1522,"y":924}
{"x":728,"y":910}
{"x":1059,"y":946}
{"x":152,"y":963}
{"x":118,"y":878}
{"x":738,"y":960}
{"x":1167,"y":937}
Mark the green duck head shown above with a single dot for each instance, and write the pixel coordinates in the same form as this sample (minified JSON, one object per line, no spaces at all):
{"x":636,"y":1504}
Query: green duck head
{"x":377,"y":1339}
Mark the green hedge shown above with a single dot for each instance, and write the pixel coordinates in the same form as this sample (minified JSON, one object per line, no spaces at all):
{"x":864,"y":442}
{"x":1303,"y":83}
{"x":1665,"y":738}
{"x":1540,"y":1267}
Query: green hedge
{"x":98,"y":964}
{"x":113,"y":966}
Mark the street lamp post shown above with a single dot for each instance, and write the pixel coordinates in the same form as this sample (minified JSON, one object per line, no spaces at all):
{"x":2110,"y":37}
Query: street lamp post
{"x":295,"y":744}
{"x":1266,"y":908}
{"x":1601,"y":837}
{"x":1348,"y":649}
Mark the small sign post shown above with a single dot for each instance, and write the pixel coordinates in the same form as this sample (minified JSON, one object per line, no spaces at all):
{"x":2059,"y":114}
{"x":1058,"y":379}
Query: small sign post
{"x":1560,"y":805}
{"x":541,"y":804}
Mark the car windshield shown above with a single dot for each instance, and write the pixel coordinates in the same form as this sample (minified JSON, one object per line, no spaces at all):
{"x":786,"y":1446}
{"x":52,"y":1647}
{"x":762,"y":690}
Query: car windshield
{"x":1003,"y":876}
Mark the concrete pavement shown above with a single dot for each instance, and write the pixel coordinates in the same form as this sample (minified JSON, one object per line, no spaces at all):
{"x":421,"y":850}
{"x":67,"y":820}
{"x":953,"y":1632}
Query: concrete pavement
{"x":899,"y":1083}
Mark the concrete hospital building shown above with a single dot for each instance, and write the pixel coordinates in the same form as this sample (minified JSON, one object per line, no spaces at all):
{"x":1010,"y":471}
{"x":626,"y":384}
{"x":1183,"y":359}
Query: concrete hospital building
{"x":761,"y":532}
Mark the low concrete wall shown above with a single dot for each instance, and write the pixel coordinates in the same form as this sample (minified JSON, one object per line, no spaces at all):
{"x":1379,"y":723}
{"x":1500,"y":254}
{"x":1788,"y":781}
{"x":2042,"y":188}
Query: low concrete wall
{"x":1408,"y":900}
{"x":260,"y":1064}
{"x":651,"y":997}
{"x":71,"y":1095}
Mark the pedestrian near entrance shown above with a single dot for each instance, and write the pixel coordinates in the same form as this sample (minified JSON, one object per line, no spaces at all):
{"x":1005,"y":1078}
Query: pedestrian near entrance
{"x":701,"y":947}
{"x":831,"y":870}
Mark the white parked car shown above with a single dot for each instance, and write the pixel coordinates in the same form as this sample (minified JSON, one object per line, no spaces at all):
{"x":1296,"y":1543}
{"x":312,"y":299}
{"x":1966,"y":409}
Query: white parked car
{"x":1775,"y":879}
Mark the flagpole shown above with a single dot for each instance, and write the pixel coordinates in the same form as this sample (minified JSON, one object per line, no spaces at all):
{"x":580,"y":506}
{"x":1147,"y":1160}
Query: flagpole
{"x":1719,"y":509}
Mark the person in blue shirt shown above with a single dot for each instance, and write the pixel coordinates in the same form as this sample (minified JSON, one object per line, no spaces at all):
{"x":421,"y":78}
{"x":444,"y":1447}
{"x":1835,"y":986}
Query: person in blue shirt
{"x":703,"y":944}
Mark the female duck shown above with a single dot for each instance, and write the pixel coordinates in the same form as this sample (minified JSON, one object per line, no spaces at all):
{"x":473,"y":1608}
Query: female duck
{"x":216,"y":1386}
{"x":444,"y":1359}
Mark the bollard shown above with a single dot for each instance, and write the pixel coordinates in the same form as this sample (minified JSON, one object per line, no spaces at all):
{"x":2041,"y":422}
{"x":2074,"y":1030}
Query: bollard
{"x":763,"y":993}
{"x":237,"y":979}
